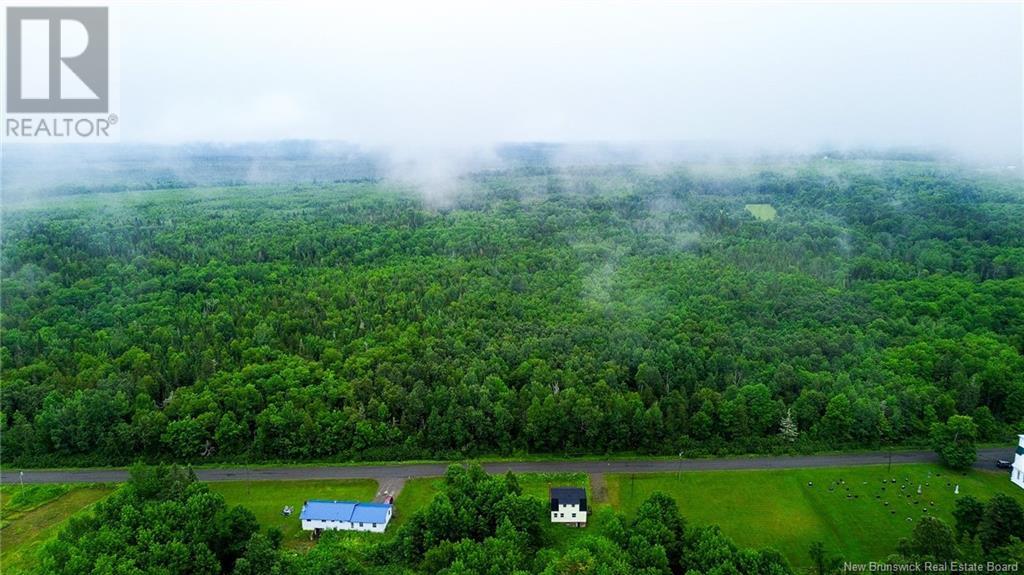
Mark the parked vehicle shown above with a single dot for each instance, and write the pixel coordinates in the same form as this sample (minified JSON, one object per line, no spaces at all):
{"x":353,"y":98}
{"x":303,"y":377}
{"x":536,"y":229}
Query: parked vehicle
{"x":1002,"y":464}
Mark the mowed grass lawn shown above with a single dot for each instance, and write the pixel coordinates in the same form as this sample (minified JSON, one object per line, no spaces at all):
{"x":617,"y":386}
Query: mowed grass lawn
{"x":777,"y":508}
{"x":415,"y":495}
{"x":33,"y":515}
{"x":537,"y":484}
{"x":266,"y":499}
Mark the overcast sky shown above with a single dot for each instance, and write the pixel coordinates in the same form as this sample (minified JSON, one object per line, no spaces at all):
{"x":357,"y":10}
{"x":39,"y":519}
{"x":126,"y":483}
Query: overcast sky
{"x":779,"y":76}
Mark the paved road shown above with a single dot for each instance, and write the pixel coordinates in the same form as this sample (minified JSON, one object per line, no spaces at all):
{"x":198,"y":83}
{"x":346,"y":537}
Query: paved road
{"x":986,"y":459}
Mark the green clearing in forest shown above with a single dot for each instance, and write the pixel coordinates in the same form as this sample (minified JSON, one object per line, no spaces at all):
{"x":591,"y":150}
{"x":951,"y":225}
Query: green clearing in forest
{"x":763,"y":212}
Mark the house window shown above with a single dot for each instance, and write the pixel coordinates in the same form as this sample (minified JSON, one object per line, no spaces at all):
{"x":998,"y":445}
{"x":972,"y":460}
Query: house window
{"x":375,"y":525}
{"x":574,"y":515}
{"x":360,"y":523}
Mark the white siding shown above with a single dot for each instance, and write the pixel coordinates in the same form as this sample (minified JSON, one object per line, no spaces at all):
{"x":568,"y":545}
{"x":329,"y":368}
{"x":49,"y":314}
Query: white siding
{"x":1017,"y":471}
{"x":374,"y":527}
{"x":568,"y":514}
{"x":309,"y":525}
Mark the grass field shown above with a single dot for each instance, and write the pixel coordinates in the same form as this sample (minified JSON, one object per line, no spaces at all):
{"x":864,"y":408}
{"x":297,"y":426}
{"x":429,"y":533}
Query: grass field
{"x":763,"y":212}
{"x":777,"y":508}
{"x":756,"y":508}
{"x":266,"y":499}
{"x":537,"y":484}
{"x":15,"y":498}
{"x":33,"y":515}
{"x":416,"y":495}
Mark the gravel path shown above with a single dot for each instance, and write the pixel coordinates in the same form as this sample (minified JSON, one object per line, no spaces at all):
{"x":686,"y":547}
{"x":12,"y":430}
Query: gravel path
{"x":598,"y":488}
{"x":389,"y":487}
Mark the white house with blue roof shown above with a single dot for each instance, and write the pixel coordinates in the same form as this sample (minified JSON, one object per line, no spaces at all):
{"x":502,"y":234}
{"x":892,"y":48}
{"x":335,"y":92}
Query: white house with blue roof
{"x":318,"y":515}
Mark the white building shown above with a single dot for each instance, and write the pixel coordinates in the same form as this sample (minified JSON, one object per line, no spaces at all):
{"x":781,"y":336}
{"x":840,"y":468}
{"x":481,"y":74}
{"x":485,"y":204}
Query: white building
{"x":569,"y":505}
{"x":1017,"y":471}
{"x":318,"y":515}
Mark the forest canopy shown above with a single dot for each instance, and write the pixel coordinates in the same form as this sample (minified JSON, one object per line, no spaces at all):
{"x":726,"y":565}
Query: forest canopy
{"x":535,"y":310}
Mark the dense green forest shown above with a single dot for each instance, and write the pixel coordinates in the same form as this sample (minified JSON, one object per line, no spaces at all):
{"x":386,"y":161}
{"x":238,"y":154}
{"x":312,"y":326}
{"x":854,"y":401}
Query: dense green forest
{"x":535,"y":310}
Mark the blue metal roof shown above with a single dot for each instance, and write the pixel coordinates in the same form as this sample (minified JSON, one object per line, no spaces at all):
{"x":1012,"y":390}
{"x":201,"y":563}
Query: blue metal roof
{"x":327,"y":510}
{"x":320,"y":510}
{"x":371,"y":513}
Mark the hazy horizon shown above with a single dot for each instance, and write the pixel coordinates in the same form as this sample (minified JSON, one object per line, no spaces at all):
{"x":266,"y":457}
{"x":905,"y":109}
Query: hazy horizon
{"x":779,"y":77}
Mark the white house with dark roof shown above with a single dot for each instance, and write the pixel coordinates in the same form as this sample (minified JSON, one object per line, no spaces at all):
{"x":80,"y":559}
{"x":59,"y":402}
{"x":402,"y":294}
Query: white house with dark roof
{"x":569,"y":505}
{"x":318,"y":515}
{"x":1017,"y":470}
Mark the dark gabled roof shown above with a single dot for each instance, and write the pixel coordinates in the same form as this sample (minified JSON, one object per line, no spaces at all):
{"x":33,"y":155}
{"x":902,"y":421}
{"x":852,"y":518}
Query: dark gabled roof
{"x":568,"y":496}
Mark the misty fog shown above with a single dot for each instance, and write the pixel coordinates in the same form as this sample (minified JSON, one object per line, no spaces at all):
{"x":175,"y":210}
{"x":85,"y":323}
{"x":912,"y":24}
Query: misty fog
{"x":797,"y":76}
{"x":423,"y":93}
